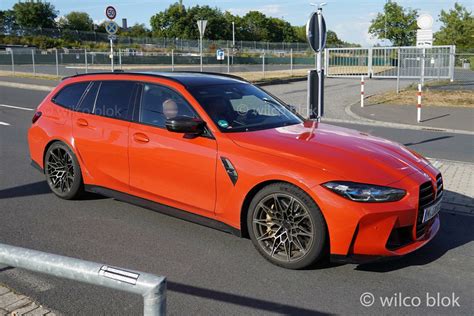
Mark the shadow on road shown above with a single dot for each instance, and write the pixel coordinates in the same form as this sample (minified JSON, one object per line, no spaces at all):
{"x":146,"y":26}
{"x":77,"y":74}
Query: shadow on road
{"x":428,"y":140}
{"x":38,"y":188}
{"x":240,"y":300}
{"x":456,"y":230}
{"x":435,"y":118}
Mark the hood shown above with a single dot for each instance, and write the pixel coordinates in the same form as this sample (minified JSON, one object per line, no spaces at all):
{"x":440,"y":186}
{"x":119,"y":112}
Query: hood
{"x":349,"y":154}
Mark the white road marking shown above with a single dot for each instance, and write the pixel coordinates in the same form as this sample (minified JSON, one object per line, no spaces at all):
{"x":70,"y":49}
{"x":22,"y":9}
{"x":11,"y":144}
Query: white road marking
{"x":16,"y":107}
{"x":5,"y":124}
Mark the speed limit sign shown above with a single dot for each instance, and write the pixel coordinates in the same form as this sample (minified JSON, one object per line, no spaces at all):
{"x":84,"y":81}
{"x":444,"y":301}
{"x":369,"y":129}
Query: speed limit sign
{"x":110,"y":12}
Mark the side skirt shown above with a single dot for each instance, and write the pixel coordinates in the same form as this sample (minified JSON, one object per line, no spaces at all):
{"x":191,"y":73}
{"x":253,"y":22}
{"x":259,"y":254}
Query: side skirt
{"x":164,"y":209}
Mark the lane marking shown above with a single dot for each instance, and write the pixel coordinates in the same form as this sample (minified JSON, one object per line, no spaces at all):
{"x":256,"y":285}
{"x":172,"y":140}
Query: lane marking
{"x":4,"y":123}
{"x":16,"y":107}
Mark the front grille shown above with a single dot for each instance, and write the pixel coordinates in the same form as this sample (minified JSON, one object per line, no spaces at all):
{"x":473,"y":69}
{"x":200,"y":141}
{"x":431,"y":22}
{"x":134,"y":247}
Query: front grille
{"x":427,"y":196}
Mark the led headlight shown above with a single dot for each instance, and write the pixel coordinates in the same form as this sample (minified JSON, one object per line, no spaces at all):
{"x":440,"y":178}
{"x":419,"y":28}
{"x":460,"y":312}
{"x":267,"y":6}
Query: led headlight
{"x":360,"y":192}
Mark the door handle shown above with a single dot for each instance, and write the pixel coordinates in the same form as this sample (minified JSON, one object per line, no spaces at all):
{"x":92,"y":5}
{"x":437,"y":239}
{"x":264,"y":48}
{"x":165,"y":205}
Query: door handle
{"x":141,"y":138}
{"x":82,"y":122}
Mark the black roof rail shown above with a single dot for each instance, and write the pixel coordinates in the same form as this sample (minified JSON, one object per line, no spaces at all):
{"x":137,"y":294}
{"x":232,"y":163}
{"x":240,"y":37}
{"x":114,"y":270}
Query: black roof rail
{"x":122,"y":72}
{"x":213,"y":74}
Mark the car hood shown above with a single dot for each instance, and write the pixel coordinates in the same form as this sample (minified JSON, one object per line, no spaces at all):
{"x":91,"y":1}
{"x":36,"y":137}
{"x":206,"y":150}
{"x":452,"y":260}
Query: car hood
{"x":349,"y":154}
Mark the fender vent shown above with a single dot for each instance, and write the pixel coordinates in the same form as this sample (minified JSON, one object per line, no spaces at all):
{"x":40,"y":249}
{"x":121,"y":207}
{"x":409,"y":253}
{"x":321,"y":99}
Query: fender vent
{"x":229,"y":168}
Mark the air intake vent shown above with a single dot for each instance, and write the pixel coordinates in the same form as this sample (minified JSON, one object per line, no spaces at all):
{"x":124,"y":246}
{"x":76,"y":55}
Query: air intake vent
{"x":229,"y":168}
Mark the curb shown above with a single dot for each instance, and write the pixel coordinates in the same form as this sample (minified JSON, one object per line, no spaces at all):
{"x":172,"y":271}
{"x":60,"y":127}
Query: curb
{"x":365,"y":121}
{"x":26,"y":86}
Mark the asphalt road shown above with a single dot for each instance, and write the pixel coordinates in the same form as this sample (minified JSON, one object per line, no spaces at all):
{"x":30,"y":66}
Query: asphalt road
{"x":210,"y":272}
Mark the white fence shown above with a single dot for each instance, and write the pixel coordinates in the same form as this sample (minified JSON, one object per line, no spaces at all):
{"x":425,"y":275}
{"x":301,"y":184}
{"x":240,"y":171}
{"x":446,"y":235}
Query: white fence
{"x":436,"y":62}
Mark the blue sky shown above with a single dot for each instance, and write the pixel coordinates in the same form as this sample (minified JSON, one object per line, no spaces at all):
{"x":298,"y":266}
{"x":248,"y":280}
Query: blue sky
{"x":350,"y":19}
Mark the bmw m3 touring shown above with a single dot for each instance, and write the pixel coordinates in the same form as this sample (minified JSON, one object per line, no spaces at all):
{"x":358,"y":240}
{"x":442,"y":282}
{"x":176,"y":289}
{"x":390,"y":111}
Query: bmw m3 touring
{"x":217,"y":150}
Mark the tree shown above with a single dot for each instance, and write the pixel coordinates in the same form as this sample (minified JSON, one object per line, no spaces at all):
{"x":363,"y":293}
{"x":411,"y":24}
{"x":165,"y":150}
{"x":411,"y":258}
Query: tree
{"x":137,"y":30}
{"x":457,"y":28}
{"x":74,"y":20}
{"x":395,"y":24}
{"x":171,"y":23}
{"x":7,"y":21}
{"x":35,"y":14}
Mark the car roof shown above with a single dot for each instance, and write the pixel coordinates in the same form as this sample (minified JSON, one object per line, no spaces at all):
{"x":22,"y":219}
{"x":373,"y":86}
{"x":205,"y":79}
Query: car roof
{"x":186,"y":78}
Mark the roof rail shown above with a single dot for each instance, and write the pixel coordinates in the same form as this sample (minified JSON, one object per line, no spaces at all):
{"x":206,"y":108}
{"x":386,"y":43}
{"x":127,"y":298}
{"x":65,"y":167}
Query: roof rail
{"x":214,"y":74}
{"x":122,"y":72}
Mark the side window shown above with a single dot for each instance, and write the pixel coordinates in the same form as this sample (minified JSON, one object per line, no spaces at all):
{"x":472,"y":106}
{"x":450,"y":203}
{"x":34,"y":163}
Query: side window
{"x":159,"y":103}
{"x":88,"y":102}
{"x":70,"y":95}
{"x":114,"y":99}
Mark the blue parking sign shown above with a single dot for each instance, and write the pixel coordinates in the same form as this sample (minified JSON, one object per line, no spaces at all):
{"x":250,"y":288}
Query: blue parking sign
{"x":220,"y":54}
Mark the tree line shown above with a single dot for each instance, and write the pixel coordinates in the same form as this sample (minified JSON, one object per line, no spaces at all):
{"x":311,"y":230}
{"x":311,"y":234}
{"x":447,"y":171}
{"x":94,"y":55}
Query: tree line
{"x":396,"y":24}
{"x":176,"y":21}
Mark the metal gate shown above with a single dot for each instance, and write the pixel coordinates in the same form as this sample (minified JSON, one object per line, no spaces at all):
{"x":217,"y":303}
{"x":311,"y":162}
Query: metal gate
{"x":436,"y":62}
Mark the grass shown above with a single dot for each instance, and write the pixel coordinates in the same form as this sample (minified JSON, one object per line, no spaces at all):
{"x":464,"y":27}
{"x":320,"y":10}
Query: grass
{"x":256,"y":76}
{"x":430,"y":97}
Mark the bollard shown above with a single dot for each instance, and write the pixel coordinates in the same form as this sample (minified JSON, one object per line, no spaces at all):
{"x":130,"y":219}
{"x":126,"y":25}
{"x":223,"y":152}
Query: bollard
{"x":172,"y":60}
{"x":291,"y":62}
{"x":57,"y":64}
{"x":228,"y":61}
{"x":362,"y":83}
{"x":33,"y":60}
{"x":13,"y":63}
{"x":85,"y":60}
{"x":418,"y":106}
{"x":263,"y":64}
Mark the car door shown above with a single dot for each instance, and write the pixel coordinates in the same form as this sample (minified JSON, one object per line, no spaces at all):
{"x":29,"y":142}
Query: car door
{"x":100,"y":131}
{"x":170,"y":168}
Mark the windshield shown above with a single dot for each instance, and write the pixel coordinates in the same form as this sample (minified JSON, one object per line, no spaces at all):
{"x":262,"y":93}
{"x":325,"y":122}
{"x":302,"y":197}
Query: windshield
{"x":241,"y":107}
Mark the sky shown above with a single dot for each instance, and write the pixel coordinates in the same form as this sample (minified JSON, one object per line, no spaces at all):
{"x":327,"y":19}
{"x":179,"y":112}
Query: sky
{"x":350,"y":19}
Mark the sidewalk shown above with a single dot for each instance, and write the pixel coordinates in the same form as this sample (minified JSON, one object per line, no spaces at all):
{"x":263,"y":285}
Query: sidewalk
{"x":16,"y":304}
{"x":458,"y":118}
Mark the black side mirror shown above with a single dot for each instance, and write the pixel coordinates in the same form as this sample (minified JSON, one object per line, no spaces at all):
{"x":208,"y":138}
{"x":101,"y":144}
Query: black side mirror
{"x":186,"y":125}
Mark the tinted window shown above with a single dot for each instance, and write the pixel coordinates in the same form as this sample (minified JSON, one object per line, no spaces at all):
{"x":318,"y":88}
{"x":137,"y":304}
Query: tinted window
{"x":159,"y":104}
{"x":88,"y":102}
{"x":242,"y":107}
{"x":70,"y":95}
{"x":114,"y":99}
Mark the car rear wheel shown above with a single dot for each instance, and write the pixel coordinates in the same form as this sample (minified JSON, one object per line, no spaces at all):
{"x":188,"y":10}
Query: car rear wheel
{"x":286,"y":226}
{"x":63,"y":172}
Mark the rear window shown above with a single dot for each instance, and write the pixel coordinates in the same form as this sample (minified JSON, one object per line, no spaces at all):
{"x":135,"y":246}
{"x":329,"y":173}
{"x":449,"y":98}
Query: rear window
{"x":70,"y":95}
{"x":114,"y":99}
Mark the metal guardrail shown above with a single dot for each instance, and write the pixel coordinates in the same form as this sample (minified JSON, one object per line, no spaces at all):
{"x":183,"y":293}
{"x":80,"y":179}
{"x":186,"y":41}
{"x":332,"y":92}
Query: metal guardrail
{"x":151,"y":287}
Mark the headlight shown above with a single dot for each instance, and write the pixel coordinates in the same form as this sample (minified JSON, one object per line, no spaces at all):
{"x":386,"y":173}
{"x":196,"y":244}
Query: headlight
{"x":360,"y":192}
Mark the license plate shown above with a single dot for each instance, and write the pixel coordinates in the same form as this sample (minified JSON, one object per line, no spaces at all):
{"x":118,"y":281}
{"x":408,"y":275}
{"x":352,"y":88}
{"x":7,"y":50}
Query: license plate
{"x":431,"y":211}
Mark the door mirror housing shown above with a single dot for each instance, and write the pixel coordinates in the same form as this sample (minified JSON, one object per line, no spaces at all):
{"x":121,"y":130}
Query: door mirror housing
{"x":186,"y":125}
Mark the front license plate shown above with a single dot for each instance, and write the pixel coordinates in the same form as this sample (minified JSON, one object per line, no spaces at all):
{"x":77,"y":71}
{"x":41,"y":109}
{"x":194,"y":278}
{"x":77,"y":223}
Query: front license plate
{"x":431,"y":211}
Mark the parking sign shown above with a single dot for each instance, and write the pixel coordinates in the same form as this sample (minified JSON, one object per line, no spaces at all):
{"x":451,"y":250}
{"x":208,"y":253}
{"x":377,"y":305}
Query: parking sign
{"x":220,"y":54}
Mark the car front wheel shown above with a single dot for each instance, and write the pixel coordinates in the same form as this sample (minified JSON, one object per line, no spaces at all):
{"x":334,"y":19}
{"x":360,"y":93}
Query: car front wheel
{"x":286,"y":226}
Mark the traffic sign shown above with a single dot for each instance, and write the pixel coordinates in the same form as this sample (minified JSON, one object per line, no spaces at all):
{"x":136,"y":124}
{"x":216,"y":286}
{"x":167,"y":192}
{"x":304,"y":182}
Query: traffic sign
{"x":111,"y":27}
{"x":202,"y":27}
{"x":220,"y":54}
{"x":110,"y":12}
{"x":424,"y":36}
{"x":316,"y":31}
{"x":112,"y":37}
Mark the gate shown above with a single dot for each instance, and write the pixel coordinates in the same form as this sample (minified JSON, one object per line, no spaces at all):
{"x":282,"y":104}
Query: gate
{"x":436,"y":62}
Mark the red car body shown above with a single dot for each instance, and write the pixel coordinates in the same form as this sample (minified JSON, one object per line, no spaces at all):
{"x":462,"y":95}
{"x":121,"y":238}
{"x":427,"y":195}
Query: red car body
{"x":123,"y":156}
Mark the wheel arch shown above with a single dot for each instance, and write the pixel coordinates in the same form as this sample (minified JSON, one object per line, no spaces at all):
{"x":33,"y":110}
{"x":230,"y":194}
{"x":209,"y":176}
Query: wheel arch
{"x":252,"y":192}
{"x":53,"y":141}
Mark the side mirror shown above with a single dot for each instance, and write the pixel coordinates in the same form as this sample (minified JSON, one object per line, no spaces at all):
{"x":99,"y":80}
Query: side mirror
{"x":186,"y":125}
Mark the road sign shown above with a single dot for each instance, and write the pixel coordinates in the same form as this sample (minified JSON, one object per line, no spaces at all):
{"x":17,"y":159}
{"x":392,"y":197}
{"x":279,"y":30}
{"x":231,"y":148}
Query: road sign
{"x":110,"y":12}
{"x":220,"y":54}
{"x":424,"y":36}
{"x":112,"y":37}
{"x":316,"y":31}
{"x":202,"y":27}
{"x":111,"y":27}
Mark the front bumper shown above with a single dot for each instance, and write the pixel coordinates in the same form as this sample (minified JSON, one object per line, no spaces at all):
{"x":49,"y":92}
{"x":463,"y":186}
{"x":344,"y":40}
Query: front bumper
{"x":373,"y":230}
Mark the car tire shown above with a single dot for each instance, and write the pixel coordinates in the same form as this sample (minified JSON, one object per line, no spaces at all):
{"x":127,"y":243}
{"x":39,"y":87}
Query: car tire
{"x":63,"y":172}
{"x":287,"y":226}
